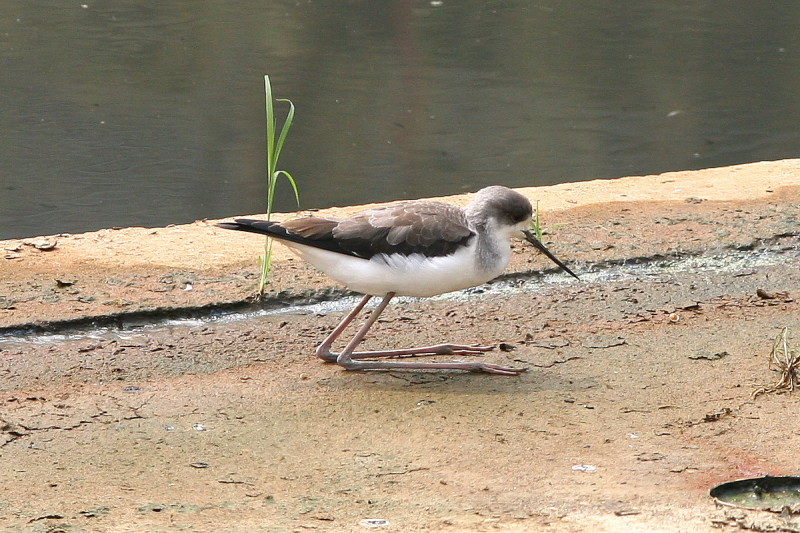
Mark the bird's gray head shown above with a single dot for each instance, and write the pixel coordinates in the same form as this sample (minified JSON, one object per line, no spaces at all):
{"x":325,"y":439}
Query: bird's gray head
{"x":500,"y":204}
{"x":508,"y":213}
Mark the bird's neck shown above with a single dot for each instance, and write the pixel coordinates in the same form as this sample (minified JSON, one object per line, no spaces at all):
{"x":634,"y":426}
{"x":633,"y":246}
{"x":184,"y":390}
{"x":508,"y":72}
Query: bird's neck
{"x":493,"y":250}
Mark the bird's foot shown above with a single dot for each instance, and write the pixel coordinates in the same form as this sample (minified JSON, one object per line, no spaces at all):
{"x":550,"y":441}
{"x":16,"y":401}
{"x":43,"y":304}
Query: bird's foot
{"x":440,"y":349}
{"x":497,"y":369}
{"x":489,"y":368}
{"x":451,"y":349}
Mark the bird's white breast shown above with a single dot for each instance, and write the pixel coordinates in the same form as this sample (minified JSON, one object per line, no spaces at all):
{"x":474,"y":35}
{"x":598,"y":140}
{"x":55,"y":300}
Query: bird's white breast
{"x":405,"y":275}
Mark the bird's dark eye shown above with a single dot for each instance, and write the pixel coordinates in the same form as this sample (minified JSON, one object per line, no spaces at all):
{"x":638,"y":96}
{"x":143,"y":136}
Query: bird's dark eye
{"x":520,"y":214}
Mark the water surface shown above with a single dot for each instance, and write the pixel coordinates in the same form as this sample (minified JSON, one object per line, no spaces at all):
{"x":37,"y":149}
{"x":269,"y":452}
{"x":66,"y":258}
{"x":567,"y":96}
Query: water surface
{"x":123,"y":113}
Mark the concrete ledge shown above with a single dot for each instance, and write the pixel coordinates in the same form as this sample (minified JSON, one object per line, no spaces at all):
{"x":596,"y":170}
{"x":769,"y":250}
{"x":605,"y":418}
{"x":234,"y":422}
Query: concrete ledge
{"x":140,"y":270}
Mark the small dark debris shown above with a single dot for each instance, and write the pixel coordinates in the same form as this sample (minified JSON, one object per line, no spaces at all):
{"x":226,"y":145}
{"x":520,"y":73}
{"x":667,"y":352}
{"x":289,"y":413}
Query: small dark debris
{"x":199,"y":464}
{"x":46,"y":517}
{"x":709,"y":356}
{"x":89,"y":348}
{"x":714,"y":417}
{"x":94,"y":513}
{"x":548,"y":344}
{"x":766,"y":295}
{"x":551,"y":363}
{"x":650,"y":456}
{"x":506,"y":347}
{"x":604,"y":341}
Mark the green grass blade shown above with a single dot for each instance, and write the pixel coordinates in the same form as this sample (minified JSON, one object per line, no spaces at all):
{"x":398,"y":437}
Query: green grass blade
{"x":271,"y":159}
{"x":274,"y":147}
{"x":285,"y":128}
{"x":265,"y":262}
{"x":535,"y":224}
{"x":292,"y":183}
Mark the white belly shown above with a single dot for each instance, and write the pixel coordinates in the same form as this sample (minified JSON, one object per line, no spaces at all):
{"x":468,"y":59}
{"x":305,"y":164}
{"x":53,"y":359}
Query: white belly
{"x":414,"y":275}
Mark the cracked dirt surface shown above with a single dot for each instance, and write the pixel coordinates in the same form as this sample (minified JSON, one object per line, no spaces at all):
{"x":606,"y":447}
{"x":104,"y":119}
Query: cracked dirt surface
{"x":637,"y":401}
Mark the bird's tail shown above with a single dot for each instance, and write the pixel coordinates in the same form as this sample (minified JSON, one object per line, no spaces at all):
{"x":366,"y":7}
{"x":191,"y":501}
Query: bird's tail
{"x":252,"y":225}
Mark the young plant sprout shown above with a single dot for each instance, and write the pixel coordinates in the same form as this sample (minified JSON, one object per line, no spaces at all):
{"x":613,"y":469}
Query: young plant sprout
{"x":535,"y":225}
{"x":274,"y":147}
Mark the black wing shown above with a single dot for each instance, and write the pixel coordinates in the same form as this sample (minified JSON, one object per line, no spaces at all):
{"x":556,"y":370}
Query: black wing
{"x":311,"y":231}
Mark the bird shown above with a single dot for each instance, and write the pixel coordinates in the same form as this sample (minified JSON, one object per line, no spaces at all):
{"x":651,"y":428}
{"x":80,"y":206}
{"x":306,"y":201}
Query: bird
{"x":418,"y":248}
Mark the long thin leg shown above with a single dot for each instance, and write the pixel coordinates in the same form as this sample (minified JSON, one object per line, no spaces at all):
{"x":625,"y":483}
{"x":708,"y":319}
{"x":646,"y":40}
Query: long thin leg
{"x":347,"y":357}
{"x":324,"y":350}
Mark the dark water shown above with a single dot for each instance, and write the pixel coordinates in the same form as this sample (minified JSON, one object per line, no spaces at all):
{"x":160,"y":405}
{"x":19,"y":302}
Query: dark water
{"x":132,"y":113}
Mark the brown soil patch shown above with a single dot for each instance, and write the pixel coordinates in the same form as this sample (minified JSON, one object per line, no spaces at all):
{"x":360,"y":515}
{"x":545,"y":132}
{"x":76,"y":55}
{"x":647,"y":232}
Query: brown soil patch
{"x":636,"y":403}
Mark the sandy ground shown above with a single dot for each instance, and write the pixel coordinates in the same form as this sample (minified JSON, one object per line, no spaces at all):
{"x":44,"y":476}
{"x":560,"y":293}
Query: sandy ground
{"x":637,"y":400}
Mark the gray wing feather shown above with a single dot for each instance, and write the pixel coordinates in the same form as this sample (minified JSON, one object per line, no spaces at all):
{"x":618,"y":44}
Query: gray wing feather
{"x":431,"y":228}
{"x":422,"y":227}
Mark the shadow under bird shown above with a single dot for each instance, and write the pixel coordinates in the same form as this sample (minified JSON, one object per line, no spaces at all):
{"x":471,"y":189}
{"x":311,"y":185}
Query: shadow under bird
{"x":413,"y":248}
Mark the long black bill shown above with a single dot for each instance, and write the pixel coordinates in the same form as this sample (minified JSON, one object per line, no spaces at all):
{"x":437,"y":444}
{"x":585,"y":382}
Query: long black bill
{"x":531,"y":238}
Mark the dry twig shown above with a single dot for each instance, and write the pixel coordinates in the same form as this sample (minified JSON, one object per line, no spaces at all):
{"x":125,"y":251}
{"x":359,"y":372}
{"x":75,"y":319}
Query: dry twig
{"x":787,"y":362}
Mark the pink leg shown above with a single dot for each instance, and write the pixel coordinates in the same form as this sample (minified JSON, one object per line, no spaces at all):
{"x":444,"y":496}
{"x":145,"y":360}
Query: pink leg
{"x":324,"y":350}
{"x":348,"y":358}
